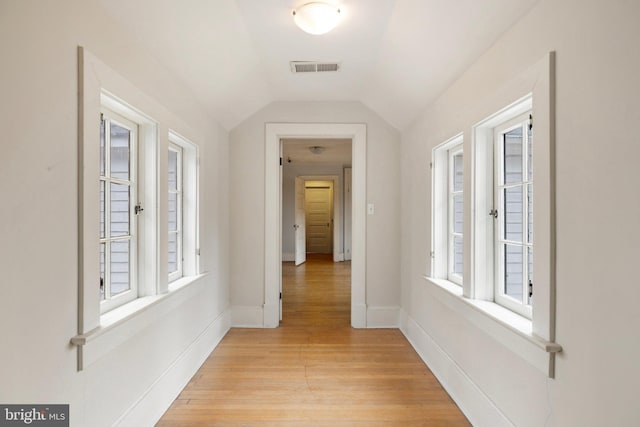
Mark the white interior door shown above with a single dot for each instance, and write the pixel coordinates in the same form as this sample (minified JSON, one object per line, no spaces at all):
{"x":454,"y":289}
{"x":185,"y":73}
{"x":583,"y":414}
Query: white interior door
{"x":347,"y":214}
{"x":299,"y":225}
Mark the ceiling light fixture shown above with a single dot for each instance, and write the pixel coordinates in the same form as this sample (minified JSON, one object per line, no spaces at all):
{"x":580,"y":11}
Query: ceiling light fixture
{"x":316,"y":149}
{"x":316,"y":17}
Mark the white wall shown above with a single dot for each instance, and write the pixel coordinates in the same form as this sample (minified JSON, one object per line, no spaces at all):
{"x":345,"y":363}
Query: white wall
{"x":598,"y":228}
{"x":289,"y":173}
{"x":247,"y":199}
{"x":597,"y":373}
{"x":38,"y":220}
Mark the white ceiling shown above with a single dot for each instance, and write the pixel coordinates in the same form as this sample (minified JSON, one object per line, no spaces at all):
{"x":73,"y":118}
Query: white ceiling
{"x":297,"y":151}
{"x":396,"y":55}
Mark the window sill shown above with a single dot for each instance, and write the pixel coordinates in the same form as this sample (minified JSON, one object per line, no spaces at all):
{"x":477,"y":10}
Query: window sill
{"x":122,"y":323}
{"x":181,"y":282}
{"x":508,"y":328}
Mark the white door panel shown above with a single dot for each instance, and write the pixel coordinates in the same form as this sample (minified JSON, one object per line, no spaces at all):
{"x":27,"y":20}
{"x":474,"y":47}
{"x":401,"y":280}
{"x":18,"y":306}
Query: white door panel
{"x":299,"y":226}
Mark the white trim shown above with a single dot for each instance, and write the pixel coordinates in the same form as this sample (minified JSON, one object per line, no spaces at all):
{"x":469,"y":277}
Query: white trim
{"x":93,"y":77}
{"x":471,"y":400}
{"x":179,"y":193}
{"x":122,"y":119}
{"x":347,"y":192}
{"x":190,"y":204}
{"x":288,"y":257}
{"x":383,"y":317}
{"x":271,"y":311}
{"x":508,"y":328}
{"x":451,"y":193}
{"x":122,"y":323}
{"x":544,"y":199}
{"x":440,"y":207}
{"x":499,"y":296}
{"x":153,"y":403}
{"x":274,"y":132}
{"x":247,"y":316}
{"x":481,"y":283}
{"x":358,"y":311}
{"x":539,"y":85}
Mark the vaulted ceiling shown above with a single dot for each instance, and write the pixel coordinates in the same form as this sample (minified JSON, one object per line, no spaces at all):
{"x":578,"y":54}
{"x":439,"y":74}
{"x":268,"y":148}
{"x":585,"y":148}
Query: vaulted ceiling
{"x":396,"y":56}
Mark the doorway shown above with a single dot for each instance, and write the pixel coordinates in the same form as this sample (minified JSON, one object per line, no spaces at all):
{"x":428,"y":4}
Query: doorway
{"x":318,"y":200}
{"x":274,"y":133}
{"x":294,"y":214}
{"x":316,"y":293}
{"x":313,"y":225}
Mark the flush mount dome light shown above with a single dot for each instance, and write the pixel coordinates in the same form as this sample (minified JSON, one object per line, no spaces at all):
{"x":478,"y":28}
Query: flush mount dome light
{"x":316,"y":17}
{"x":316,"y":149}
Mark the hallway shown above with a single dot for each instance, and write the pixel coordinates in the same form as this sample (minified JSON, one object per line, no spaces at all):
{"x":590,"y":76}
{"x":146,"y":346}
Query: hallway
{"x":315,"y":369}
{"x":316,"y":293}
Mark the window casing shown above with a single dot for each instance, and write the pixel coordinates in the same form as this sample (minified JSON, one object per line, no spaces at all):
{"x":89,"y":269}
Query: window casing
{"x":142,"y":288}
{"x":118,"y":222}
{"x":175,"y":212}
{"x":529,"y":333}
{"x":448,"y":211}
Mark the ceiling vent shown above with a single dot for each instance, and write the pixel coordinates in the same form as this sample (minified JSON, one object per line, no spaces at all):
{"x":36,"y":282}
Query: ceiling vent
{"x":313,"y":67}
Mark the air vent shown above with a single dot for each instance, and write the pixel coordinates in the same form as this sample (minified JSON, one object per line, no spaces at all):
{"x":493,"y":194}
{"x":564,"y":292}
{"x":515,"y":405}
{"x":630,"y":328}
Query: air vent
{"x":313,"y":67}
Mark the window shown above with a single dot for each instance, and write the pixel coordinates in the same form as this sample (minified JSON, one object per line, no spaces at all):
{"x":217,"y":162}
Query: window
{"x":513,"y":212}
{"x":454,"y":271}
{"x":182,"y":209}
{"x":503,"y":261}
{"x":175,"y":244}
{"x":499,"y":293}
{"x":130,"y":245}
{"x":447,"y":214}
{"x":118,"y":236}
{"x":125,"y":242}
{"x":119,"y":157}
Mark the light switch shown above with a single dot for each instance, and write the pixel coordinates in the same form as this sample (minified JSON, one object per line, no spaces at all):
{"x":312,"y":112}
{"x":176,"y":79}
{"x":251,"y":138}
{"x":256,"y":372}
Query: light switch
{"x":370,"y":209}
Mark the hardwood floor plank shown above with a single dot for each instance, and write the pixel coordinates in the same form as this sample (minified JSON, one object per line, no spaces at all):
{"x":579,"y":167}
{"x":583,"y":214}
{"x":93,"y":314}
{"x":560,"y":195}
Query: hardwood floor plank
{"x":315,"y":370}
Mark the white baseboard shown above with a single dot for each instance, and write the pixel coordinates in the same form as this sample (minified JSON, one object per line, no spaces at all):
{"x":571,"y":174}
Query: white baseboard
{"x":383,"y":317}
{"x":271,"y":317}
{"x":472,"y":401}
{"x":338,"y":257}
{"x":154,"y":402}
{"x":358,"y":315}
{"x":288,"y":257}
{"x":247,"y":317}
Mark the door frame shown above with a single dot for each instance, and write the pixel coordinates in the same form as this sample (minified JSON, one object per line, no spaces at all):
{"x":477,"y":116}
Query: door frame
{"x":274,"y":132}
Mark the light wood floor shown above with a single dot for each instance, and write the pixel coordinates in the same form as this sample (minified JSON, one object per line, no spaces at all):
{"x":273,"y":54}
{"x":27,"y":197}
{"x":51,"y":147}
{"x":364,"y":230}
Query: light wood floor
{"x":315,"y":370}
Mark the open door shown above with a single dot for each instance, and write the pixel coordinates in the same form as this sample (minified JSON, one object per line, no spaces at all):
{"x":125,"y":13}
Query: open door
{"x":347,"y":214}
{"x":299,"y":226}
